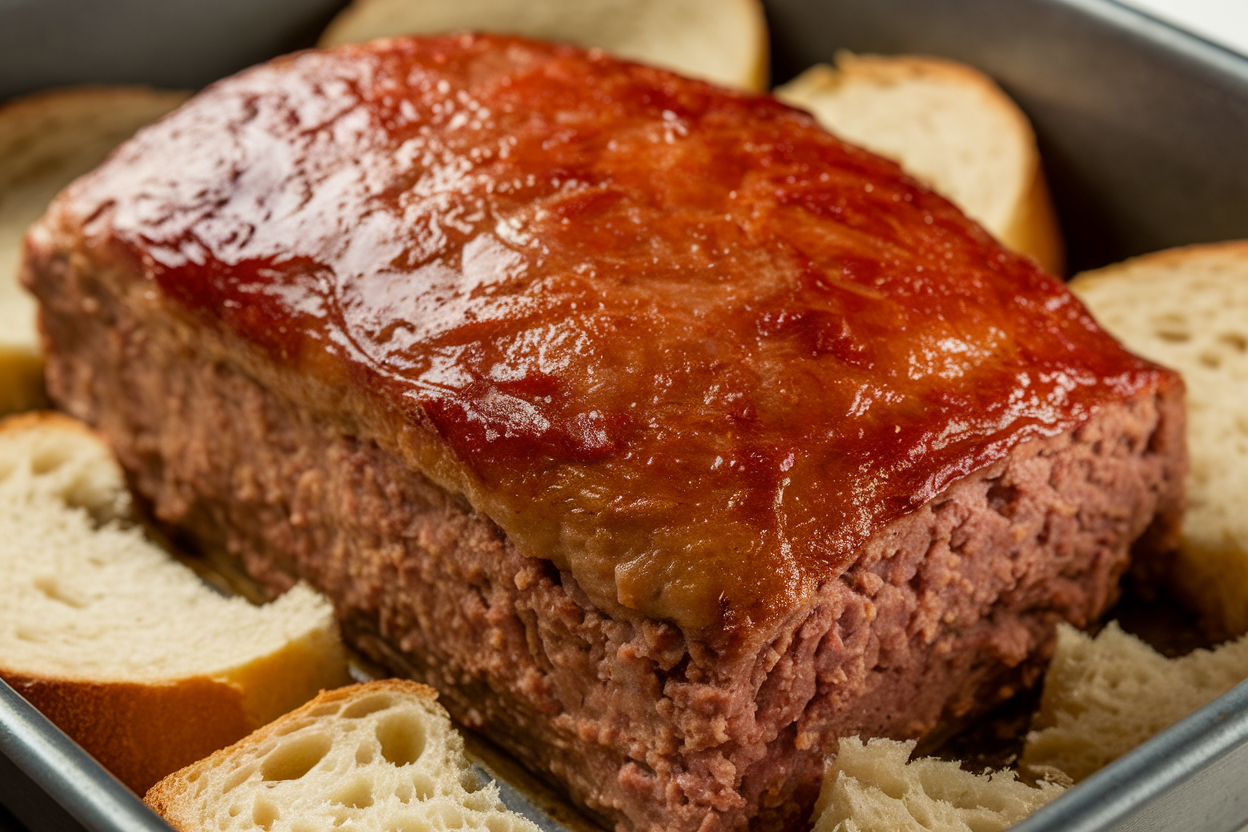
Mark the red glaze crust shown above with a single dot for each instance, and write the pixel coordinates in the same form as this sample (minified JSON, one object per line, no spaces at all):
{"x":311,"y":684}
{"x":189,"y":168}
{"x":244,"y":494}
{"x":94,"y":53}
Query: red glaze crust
{"x":678,"y":340}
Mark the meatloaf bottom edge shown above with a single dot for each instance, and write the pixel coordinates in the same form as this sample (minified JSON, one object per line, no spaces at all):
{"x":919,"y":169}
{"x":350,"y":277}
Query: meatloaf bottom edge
{"x":943,"y":613}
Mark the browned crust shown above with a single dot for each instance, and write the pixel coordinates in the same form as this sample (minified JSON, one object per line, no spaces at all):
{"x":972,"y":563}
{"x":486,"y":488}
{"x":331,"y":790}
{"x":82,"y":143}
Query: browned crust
{"x":21,"y":381}
{"x":49,"y":123}
{"x":46,"y":420}
{"x":760,"y":75}
{"x":139,"y":732}
{"x":50,"y":101}
{"x":1034,"y":229}
{"x":1167,"y":258}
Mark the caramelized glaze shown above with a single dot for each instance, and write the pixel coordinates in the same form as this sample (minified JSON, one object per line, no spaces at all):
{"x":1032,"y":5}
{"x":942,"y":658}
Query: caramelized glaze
{"x":683,"y":342}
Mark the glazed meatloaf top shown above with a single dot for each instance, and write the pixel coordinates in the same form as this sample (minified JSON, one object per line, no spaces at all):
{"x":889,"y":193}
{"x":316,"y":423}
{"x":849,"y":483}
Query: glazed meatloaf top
{"x":678,"y":340}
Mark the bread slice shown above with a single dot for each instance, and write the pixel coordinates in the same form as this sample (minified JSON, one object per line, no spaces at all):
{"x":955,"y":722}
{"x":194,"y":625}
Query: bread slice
{"x":1187,"y":308}
{"x":950,"y":126}
{"x":872,"y":788}
{"x":723,"y":41}
{"x":377,"y":756}
{"x":46,"y":141}
{"x":119,"y":644}
{"x":1104,"y":696}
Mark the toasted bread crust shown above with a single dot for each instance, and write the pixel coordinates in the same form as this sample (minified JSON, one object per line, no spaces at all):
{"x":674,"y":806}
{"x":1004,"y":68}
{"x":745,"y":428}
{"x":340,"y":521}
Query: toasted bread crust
{"x":1168,"y":258}
{"x":139,"y":732}
{"x":1034,"y":229}
{"x":43,"y":420}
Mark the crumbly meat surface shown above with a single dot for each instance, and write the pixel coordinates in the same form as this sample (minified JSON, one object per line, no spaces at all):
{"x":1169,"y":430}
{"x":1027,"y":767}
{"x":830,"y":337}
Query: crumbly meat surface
{"x":667,"y":436}
{"x":679,"y":341}
{"x":943,"y":613}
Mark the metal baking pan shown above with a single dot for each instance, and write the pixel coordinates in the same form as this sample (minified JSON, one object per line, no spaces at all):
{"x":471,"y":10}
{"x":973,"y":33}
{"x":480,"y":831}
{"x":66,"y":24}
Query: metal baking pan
{"x":1144,"y":133}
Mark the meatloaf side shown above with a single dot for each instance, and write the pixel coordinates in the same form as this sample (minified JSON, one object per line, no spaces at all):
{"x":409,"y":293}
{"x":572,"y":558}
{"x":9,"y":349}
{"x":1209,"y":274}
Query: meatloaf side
{"x":666,"y":436}
{"x":942,"y":614}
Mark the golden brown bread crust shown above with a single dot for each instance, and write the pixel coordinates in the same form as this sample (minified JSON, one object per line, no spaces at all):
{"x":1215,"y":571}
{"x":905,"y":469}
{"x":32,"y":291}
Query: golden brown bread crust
{"x":1034,"y":229}
{"x":139,"y":732}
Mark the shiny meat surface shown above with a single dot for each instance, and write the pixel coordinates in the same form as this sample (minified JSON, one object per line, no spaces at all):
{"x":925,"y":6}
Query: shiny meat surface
{"x":683,"y":342}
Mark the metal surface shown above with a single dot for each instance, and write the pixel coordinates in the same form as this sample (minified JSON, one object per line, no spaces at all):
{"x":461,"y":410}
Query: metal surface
{"x":1143,"y":128}
{"x":1190,"y":776}
{"x":168,"y":43}
{"x":49,"y":783}
{"x":1144,"y":131}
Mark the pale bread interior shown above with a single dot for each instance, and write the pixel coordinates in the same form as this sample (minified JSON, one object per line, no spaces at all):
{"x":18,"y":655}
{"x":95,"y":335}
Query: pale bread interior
{"x":946,"y":124}
{"x":1105,"y":696}
{"x":1188,"y":309}
{"x":874,"y":787}
{"x":723,"y":41}
{"x":47,"y":141}
{"x":85,"y":596}
{"x":378,"y":756}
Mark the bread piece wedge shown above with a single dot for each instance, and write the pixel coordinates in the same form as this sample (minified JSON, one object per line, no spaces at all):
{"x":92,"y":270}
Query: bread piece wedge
{"x":1187,"y":308}
{"x":723,"y":41}
{"x":949,"y":125}
{"x":872,"y":787}
{"x":1105,"y":696}
{"x":378,"y":756}
{"x":46,"y":141}
{"x":115,"y":641}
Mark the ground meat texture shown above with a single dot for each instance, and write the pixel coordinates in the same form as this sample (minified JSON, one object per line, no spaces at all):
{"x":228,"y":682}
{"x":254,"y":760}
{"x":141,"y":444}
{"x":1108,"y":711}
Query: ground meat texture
{"x":484,"y":535}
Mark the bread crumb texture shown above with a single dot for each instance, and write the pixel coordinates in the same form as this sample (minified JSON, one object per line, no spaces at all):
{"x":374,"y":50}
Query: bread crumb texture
{"x":124,"y":648}
{"x":873,"y":787}
{"x":1187,"y":309}
{"x":1105,"y":696}
{"x":377,"y":756}
{"x":85,"y":595}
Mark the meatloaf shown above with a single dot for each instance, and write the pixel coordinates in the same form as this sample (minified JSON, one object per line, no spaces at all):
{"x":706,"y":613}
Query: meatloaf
{"x":669,"y":437}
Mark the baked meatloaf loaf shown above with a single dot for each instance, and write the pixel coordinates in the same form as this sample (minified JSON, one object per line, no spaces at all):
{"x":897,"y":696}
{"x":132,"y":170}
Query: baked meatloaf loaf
{"x":667,"y":436}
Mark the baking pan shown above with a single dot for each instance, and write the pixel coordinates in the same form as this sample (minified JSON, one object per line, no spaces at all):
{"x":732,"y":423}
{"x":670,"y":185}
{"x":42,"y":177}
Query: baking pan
{"x":48,"y":782}
{"x":1143,"y":128}
{"x":1144,"y":133}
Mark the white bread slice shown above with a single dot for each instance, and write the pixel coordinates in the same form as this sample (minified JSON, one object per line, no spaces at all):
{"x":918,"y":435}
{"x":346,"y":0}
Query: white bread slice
{"x":119,"y":644}
{"x":1187,"y":308}
{"x":378,"y":756}
{"x":950,"y":126}
{"x":1104,"y":696}
{"x":723,"y":41}
{"x":872,"y":788}
{"x":46,"y":141}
